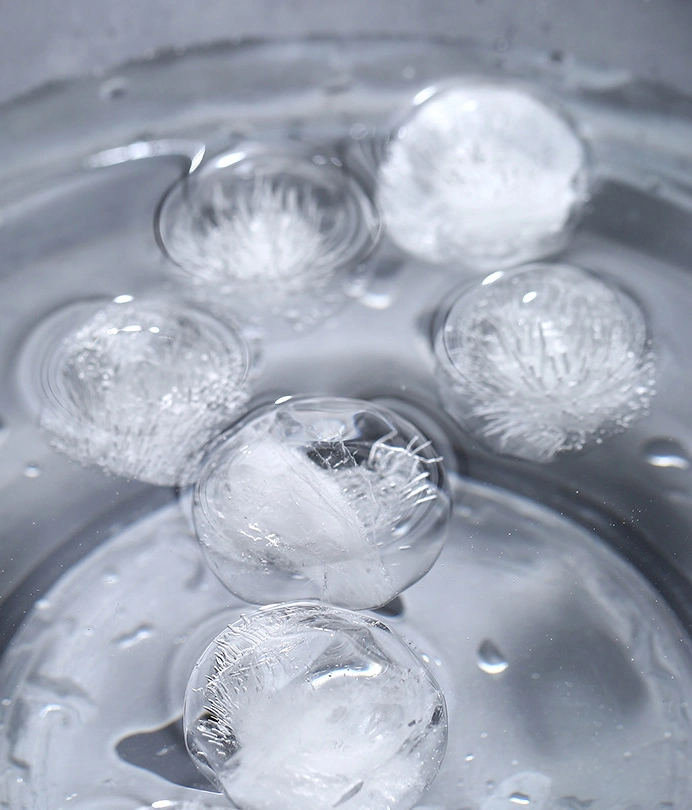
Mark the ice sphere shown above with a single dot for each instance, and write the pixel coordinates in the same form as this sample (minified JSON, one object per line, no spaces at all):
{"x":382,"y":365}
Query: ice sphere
{"x":268,"y":231}
{"x":139,"y":387}
{"x":304,"y":706}
{"x":318,"y":497}
{"x":483,"y":174}
{"x":544,"y":359}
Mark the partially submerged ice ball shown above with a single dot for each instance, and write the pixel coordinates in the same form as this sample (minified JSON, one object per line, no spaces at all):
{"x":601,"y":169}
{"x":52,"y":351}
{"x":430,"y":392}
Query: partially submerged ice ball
{"x":272,"y":232}
{"x":304,"y":706}
{"x":545,"y":359}
{"x":481,"y":174}
{"x":337,"y":499}
{"x":139,"y":387}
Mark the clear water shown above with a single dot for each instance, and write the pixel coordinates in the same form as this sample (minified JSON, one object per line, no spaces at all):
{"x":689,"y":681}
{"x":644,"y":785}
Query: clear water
{"x":566,"y":673}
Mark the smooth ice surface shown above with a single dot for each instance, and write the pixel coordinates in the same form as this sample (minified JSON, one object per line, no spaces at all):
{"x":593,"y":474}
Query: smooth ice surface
{"x":139,"y":387}
{"x":544,"y":360}
{"x":481,"y":174}
{"x":303,"y":706}
{"x":332,"y":498}
{"x":269,"y":233}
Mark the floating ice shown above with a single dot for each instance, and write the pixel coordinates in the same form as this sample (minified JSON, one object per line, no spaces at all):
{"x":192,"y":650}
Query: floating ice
{"x":139,"y":387}
{"x":332,"y":498}
{"x":303,"y":706}
{"x":545,"y":359}
{"x":482,"y":174}
{"x":269,"y":232}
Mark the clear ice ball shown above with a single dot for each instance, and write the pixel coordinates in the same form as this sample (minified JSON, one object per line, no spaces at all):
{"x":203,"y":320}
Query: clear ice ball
{"x":304,"y":706}
{"x":271,"y":232}
{"x":335,"y":499}
{"x":545,"y":359}
{"x":481,"y":174}
{"x":139,"y":387}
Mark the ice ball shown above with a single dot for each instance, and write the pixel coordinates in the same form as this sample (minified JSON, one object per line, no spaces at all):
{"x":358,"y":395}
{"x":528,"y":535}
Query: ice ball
{"x":139,"y":387}
{"x":545,"y":359}
{"x":273,"y":233}
{"x":482,"y":174}
{"x":304,"y":706}
{"x":326,"y":498}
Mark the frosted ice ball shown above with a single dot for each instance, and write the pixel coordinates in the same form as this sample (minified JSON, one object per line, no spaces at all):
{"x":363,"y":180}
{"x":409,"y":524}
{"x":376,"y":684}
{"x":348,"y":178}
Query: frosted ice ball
{"x":139,"y":387}
{"x":545,"y":359}
{"x":337,"y":499}
{"x":304,"y":706}
{"x":486,"y":175}
{"x":269,"y":231}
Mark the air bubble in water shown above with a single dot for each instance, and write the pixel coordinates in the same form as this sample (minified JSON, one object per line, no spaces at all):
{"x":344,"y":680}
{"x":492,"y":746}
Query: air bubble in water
{"x":482,"y":174}
{"x":545,"y":359}
{"x":331,"y":498}
{"x":268,"y":232}
{"x":303,"y":706}
{"x":139,"y":387}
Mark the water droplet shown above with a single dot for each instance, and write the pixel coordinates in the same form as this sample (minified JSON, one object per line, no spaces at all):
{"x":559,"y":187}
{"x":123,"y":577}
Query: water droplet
{"x":358,"y":132}
{"x":5,"y":702}
{"x":469,"y":757}
{"x":490,"y":659}
{"x":32,"y":470}
{"x":661,"y":452}
{"x":374,"y":300}
{"x":49,"y":709}
{"x":114,"y":89}
{"x":128,"y":640}
{"x":520,"y":798}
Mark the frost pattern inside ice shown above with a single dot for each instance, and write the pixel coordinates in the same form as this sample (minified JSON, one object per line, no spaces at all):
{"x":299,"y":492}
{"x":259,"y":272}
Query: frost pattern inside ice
{"x":268,"y":234}
{"x":544,"y":360}
{"x":341,"y":501}
{"x":304,"y":707}
{"x":481,"y":174}
{"x":141,"y":387}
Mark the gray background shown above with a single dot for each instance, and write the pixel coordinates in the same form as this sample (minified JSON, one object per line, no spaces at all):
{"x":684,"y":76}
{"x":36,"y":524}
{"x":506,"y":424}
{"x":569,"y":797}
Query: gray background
{"x":43,"y":40}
